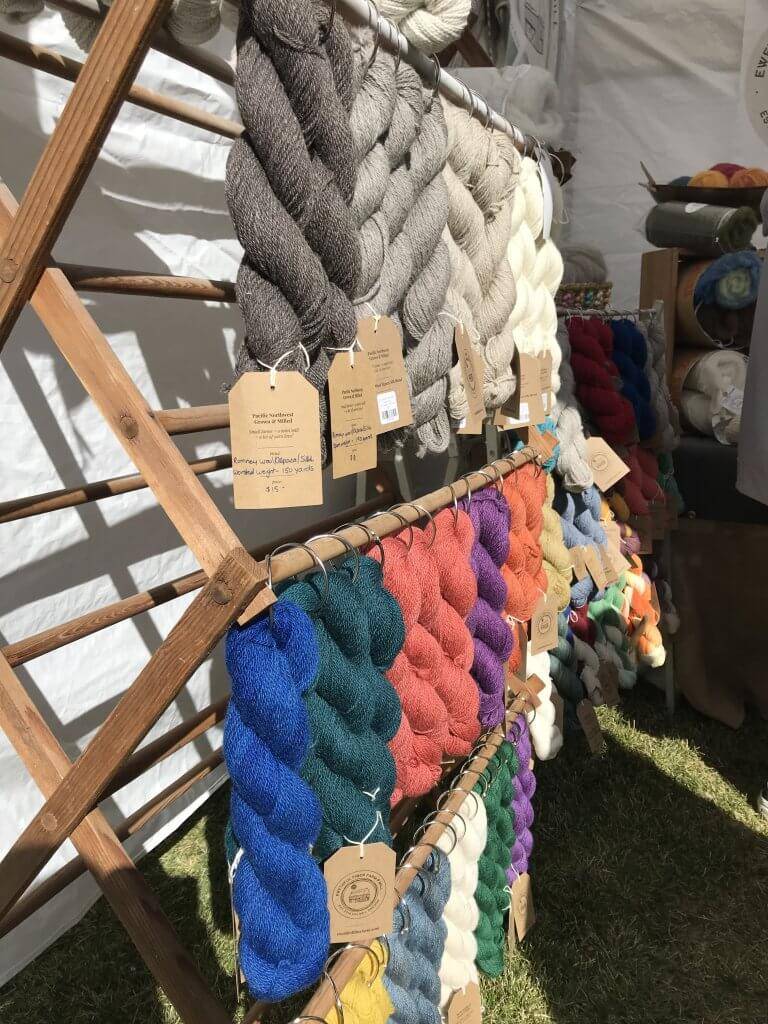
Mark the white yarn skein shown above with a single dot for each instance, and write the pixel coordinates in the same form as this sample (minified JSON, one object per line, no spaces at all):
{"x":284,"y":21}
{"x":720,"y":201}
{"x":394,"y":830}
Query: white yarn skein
{"x":572,"y":462}
{"x":20,"y":10}
{"x":461,"y":915}
{"x":430,"y":25}
{"x":653,"y":322}
{"x":545,"y":735}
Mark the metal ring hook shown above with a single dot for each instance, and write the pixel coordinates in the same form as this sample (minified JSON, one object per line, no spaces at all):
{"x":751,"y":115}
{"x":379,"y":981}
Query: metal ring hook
{"x":402,"y":520}
{"x":373,"y":538}
{"x":432,"y":819}
{"x":436,"y":83}
{"x":351,"y":549}
{"x":424,"y":512}
{"x":315,"y":558}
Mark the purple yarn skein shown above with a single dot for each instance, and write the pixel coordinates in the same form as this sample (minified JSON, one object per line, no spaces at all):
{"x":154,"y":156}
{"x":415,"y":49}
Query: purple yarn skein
{"x":524,"y":784}
{"x":491,"y":635}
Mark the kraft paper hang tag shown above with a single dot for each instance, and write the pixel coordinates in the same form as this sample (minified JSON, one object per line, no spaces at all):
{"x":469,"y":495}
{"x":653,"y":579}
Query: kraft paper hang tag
{"x":544,"y":625}
{"x":522,"y":904}
{"x":608,"y":675}
{"x":545,"y":381}
{"x":644,"y":528}
{"x":658,"y":519}
{"x":361,"y":892}
{"x":352,"y":403}
{"x":542,"y":442}
{"x":557,"y":700}
{"x":580,"y":570}
{"x":607,"y":468}
{"x":383,"y":344}
{"x":609,"y":569}
{"x":525,"y":404}
{"x":471,"y":365}
{"x":589,"y":723}
{"x":547,"y":178}
{"x":613,"y":533}
{"x":275,"y":438}
{"x":528,"y":689}
{"x":471,"y":425}
{"x":594,"y":565}
{"x":465,"y":1007}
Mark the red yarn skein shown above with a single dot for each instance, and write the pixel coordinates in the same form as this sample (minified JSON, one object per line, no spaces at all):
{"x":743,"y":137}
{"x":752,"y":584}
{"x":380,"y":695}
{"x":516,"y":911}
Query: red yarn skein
{"x":598,"y":380}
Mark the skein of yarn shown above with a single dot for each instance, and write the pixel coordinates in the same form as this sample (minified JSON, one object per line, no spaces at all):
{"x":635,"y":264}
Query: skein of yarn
{"x":491,"y":635}
{"x":192,"y":22}
{"x":597,"y":379}
{"x":417,"y":943}
{"x":524,"y":786}
{"x":630,"y":355}
{"x":545,"y":734}
{"x":278,"y":891}
{"x":430,"y":25}
{"x":572,"y":460}
{"x":364,"y":999}
{"x":353,"y":709}
{"x":583,"y":264}
{"x":557,"y":561}
{"x":290,"y":204}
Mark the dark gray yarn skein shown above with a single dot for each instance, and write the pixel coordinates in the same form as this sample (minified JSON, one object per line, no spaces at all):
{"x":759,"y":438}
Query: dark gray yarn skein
{"x":290,"y":183}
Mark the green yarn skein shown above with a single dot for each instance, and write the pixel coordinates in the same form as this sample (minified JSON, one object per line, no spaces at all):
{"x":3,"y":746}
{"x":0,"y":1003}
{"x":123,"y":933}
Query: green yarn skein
{"x":353,"y":709}
{"x":491,"y":894}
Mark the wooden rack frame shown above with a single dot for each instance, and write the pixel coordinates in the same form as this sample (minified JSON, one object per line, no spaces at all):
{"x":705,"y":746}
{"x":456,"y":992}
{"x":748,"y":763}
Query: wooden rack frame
{"x":231,"y":583}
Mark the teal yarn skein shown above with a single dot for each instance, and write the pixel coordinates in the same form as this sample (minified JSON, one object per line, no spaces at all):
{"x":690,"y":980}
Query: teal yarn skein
{"x":353,"y":709}
{"x":492,"y":894}
{"x":278,"y":892}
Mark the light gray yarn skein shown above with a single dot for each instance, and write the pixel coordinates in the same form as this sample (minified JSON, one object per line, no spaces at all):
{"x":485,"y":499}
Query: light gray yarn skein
{"x":572,"y":463}
{"x":290,"y":202}
{"x":652,"y":327}
{"x":405,"y":266}
{"x":192,"y":22}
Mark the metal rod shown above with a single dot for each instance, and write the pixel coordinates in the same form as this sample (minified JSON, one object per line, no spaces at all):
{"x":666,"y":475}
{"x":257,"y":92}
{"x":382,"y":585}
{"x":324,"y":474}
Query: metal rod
{"x":46,"y":890}
{"x":41,"y":59}
{"x":22,"y":651}
{"x":70,"y":497}
{"x":137,"y":282}
{"x":194,"y":56}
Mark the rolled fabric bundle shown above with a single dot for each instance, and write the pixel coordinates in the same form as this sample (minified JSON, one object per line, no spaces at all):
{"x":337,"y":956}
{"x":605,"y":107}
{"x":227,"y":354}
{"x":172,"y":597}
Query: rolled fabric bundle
{"x":709,"y":389}
{"x":491,"y":893}
{"x":629,"y":356}
{"x":401,"y":205}
{"x":545,"y":734}
{"x":353,"y":709}
{"x":572,"y":461}
{"x":597,"y":379}
{"x":749,"y":177}
{"x":709,"y":179}
{"x":418,"y":745}
{"x":431,"y":25}
{"x":730,"y":282}
{"x":524,"y":786}
{"x":557,"y":561}
{"x":290,"y":204}
{"x":416,"y":945}
{"x":461,"y":916}
{"x":583,"y":263}
{"x":491,"y":635}
{"x":278,"y":891}
{"x":364,"y":999}
{"x":708,"y":230}
{"x":481,"y":176}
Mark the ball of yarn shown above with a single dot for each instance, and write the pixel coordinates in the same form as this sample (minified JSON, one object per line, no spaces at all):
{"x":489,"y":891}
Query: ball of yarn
{"x":709,"y":179}
{"x":681,"y":181}
{"x":749,"y":177}
{"x":278,"y":891}
{"x":727,"y":169}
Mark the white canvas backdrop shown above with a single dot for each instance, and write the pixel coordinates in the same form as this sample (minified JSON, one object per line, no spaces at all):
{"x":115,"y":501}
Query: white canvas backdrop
{"x":155,"y":201}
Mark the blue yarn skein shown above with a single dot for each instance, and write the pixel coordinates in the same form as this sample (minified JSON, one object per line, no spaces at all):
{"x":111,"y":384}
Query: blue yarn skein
{"x":580,"y":519}
{"x":279,"y":893}
{"x":416,"y":945}
{"x":353,"y":709}
{"x":629,"y":355}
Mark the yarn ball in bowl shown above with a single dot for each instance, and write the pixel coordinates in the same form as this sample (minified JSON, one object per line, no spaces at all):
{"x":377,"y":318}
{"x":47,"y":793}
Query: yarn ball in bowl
{"x":681,"y":181}
{"x":727,"y":169}
{"x":749,"y":177}
{"x":709,"y":179}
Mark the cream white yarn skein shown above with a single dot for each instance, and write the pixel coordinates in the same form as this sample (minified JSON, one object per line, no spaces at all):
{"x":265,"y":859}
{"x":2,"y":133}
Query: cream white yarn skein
{"x":545,"y":735}
{"x":457,"y":967}
{"x":430,"y":25}
{"x":572,"y":462}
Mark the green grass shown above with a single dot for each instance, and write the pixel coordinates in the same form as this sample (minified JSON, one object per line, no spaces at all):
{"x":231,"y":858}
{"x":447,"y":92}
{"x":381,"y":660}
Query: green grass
{"x":650,"y":875}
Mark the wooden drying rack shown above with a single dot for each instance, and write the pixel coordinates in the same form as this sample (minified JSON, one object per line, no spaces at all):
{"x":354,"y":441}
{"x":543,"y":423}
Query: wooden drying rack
{"x":231,"y":582}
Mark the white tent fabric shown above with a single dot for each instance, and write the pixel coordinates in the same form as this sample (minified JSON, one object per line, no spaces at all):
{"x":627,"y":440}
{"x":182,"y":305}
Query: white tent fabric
{"x":155,"y":201}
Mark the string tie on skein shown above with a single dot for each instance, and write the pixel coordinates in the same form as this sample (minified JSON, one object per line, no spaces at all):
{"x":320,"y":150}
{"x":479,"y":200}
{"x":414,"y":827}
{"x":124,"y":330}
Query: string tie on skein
{"x":290,"y":204}
{"x":278,"y":891}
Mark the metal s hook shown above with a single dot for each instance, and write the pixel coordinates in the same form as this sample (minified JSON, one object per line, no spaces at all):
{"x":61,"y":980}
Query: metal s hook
{"x":435,"y":84}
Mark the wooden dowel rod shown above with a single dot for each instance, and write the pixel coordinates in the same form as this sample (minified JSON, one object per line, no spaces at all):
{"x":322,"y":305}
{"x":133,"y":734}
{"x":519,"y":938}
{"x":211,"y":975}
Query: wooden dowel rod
{"x":70,"y":497}
{"x":193,"y":418}
{"x":52,"y":639}
{"x":41,"y":59}
{"x":158,"y":750}
{"x":193,"y":56}
{"x":136,"y":282}
{"x":323,"y":998}
{"x":74,"y":868}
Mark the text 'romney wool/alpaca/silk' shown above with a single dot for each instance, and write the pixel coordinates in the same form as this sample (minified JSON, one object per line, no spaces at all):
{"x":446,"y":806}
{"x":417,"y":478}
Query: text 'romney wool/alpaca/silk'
{"x":278,"y":891}
{"x":353,"y":710}
{"x":290,"y":203}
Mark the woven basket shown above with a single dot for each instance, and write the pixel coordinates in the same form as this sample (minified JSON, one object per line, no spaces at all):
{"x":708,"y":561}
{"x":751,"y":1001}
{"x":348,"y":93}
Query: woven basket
{"x":587,"y":295}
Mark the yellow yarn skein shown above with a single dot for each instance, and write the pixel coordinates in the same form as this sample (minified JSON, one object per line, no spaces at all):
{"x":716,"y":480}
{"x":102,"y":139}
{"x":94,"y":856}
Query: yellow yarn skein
{"x":364,"y":999}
